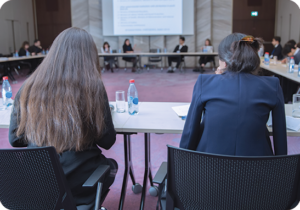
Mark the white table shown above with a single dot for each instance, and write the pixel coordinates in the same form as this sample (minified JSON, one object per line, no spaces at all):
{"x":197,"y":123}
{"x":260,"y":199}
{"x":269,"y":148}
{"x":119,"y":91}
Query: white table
{"x":12,"y":59}
{"x":281,"y":69}
{"x":161,"y":54}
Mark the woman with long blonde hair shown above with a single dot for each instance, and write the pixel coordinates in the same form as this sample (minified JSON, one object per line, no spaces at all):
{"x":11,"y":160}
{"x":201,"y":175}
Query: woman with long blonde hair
{"x":64,"y":104}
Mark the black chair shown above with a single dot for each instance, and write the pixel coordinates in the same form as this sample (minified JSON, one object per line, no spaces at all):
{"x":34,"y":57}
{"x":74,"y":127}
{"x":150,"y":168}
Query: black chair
{"x":205,"y":181}
{"x":155,"y":59}
{"x":34,"y":179}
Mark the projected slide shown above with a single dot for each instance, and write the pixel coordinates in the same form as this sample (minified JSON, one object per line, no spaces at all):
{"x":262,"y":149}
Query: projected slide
{"x":147,"y":17}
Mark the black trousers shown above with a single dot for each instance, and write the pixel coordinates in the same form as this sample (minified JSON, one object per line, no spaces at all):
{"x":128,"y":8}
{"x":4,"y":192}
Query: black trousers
{"x":176,"y":59}
{"x":205,"y":59}
{"x":134,"y":61}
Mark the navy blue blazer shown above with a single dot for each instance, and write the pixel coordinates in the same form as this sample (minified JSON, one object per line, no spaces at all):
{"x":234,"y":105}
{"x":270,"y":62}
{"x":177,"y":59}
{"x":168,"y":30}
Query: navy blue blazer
{"x":235,"y":108}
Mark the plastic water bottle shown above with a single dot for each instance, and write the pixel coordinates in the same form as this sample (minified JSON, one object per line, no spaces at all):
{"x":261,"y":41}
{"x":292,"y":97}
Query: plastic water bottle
{"x":17,"y":54}
{"x":27,"y":53}
{"x":133,"y":100}
{"x":6,"y":93}
{"x":165,"y":50}
{"x":267,"y":59}
{"x":120,"y":51}
{"x":47,"y":51}
{"x":43,"y":52}
{"x":292,"y":65}
{"x":157,"y":50}
{"x":110,"y":50}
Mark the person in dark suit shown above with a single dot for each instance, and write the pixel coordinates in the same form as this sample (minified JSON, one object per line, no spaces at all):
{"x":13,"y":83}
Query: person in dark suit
{"x":36,"y":48}
{"x":64,"y":104}
{"x":229,"y":112}
{"x":24,"y":49}
{"x":128,"y":49}
{"x":277,"y":51}
{"x":181,"y":48}
{"x":290,"y":50}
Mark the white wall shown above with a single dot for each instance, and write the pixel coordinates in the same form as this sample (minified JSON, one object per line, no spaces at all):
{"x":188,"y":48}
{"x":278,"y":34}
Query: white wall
{"x":213,"y":20}
{"x":287,"y":21}
{"x":21,"y":11}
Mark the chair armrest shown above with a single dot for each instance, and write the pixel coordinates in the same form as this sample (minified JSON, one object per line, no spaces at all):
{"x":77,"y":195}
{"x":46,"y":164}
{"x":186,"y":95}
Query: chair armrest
{"x":96,"y":176}
{"x":161,"y":174}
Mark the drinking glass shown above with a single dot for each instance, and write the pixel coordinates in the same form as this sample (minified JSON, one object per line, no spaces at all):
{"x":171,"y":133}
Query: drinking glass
{"x":275,"y":60}
{"x":296,"y":105}
{"x":120,"y":101}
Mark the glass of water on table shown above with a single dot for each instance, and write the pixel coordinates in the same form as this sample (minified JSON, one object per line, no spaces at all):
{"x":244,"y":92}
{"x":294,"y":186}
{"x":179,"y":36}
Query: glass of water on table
{"x":275,"y":60}
{"x":120,"y":101}
{"x":296,"y":105}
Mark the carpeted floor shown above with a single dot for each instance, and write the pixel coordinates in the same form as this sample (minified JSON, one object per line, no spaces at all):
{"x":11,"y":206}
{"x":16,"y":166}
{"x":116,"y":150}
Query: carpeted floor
{"x":152,"y":86}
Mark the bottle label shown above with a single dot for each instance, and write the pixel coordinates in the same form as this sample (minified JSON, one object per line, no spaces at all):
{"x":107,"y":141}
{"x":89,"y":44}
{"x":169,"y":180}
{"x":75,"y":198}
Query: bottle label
{"x":8,"y":95}
{"x":135,"y":101}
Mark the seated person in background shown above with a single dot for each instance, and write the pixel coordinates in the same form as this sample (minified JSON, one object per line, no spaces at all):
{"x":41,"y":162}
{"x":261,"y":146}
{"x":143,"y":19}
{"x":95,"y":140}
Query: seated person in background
{"x":24,"y":48}
{"x":290,"y":50}
{"x":207,"y":58}
{"x":261,"y":51}
{"x":64,"y":104}
{"x":181,"y":48}
{"x":277,"y":48}
{"x":292,"y":42}
{"x":236,"y":106}
{"x":128,"y":49}
{"x":36,"y":48}
{"x":108,"y":60}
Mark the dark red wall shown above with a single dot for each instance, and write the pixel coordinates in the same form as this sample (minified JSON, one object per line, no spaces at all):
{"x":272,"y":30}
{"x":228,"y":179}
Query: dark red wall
{"x":261,"y":26}
{"x":53,"y":16}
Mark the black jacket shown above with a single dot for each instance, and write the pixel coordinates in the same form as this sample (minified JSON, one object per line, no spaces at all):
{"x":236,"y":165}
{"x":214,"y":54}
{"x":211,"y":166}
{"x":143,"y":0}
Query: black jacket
{"x":34,"y":49}
{"x":77,"y":166}
{"x":182,"y":50}
{"x":277,"y":52}
{"x":22,"y":52}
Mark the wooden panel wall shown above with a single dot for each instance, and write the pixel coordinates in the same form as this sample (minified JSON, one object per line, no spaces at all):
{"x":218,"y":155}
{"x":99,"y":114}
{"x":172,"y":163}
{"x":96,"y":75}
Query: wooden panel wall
{"x":261,"y":26}
{"x":53,"y":16}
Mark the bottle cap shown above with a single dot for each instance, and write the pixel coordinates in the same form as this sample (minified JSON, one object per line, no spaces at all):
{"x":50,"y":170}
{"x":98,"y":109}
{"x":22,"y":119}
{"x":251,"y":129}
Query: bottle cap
{"x":292,"y":57}
{"x":5,"y":78}
{"x":267,"y":53}
{"x":131,"y":81}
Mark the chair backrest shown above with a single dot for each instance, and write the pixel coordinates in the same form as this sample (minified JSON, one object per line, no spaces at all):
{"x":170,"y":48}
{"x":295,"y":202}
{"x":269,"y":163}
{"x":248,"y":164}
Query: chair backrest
{"x":206,"y":181}
{"x":155,"y":58}
{"x":33,"y":179}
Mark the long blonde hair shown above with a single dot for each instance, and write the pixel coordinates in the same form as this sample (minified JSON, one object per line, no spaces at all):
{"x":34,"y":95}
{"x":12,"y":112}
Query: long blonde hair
{"x":62,"y":104}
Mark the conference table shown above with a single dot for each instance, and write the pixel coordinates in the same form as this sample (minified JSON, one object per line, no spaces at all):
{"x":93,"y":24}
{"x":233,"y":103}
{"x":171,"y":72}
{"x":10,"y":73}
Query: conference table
{"x":154,"y":117}
{"x":281,"y":69}
{"x":23,"y":58}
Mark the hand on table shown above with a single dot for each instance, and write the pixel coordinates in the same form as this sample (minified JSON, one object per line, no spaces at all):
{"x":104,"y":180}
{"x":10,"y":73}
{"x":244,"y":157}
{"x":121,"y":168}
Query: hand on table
{"x":283,"y":61}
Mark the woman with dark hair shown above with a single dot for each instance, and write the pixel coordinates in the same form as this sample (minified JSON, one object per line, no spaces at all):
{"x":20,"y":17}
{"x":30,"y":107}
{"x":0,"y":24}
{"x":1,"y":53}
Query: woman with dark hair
{"x":229,"y":112}
{"x":24,"y":49}
{"x":109,"y":61}
{"x":64,"y":104}
{"x":207,"y":58}
{"x":128,"y":49}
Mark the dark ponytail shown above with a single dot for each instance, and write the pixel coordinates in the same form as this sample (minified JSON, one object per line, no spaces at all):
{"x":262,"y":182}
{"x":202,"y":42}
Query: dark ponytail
{"x":245,"y":56}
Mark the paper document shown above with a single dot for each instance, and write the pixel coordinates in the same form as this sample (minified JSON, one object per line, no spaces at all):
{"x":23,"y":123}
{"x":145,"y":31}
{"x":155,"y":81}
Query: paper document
{"x":181,"y":111}
{"x":291,"y":123}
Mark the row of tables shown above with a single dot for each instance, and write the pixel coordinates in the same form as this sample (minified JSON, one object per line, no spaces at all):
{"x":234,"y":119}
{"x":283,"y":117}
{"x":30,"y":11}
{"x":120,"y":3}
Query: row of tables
{"x":154,"y":117}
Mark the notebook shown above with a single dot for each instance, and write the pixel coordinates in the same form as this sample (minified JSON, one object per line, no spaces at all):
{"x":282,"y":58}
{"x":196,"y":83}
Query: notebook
{"x":181,"y":111}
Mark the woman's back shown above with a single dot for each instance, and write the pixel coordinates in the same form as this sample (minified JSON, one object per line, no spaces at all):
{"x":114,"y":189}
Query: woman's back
{"x":236,"y":108}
